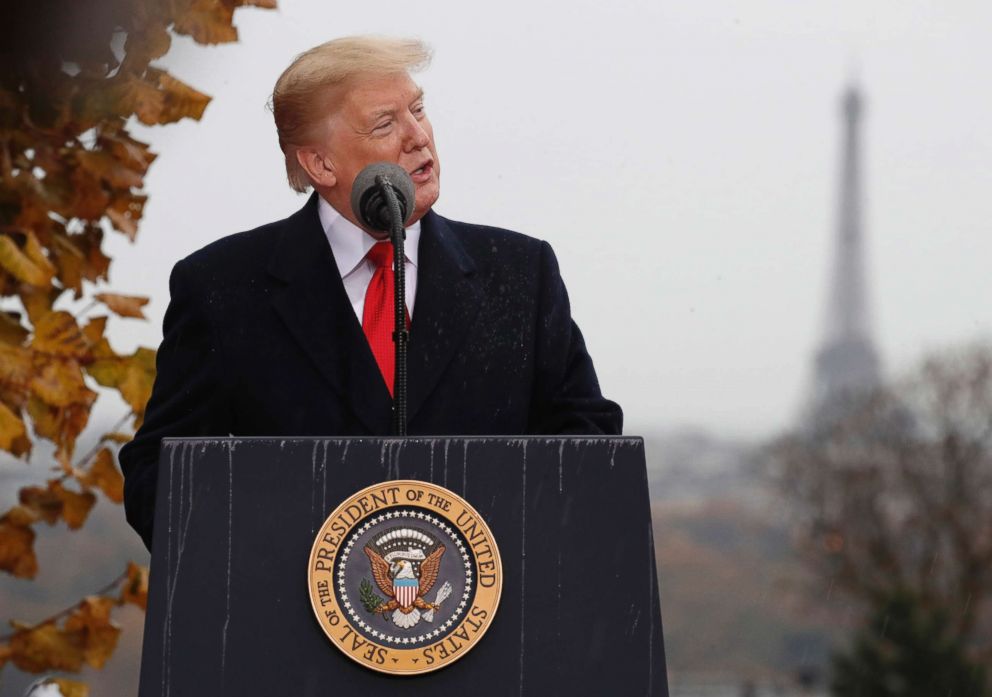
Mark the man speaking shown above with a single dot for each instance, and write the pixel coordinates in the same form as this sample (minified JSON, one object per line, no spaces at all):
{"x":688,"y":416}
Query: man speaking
{"x":286,"y":330}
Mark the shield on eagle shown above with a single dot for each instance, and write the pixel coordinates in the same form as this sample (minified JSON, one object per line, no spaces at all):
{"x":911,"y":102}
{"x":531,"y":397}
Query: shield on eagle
{"x":405,"y":562}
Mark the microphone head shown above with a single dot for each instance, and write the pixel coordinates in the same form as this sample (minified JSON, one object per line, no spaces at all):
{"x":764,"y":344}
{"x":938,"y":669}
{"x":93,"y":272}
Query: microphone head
{"x":368,"y":201}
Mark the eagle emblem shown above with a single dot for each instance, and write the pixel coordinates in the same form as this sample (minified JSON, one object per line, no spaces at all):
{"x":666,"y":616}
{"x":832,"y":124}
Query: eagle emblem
{"x":405,"y":564}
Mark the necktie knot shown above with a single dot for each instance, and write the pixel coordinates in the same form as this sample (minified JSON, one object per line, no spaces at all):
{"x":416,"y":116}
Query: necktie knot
{"x":381,"y":255}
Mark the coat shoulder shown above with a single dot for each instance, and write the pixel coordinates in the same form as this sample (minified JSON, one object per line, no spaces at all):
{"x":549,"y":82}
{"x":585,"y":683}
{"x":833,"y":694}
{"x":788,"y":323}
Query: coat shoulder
{"x":239,"y":252}
{"x":496,"y":248}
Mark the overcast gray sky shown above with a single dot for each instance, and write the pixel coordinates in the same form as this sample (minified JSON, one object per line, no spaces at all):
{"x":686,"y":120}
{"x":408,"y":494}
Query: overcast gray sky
{"x":681,"y":158}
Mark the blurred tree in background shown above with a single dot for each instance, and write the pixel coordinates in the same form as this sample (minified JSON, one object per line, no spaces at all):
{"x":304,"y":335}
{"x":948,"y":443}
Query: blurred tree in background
{"x":74,"y":74}
{"x":893,"y":505}
{"x":907,"y":649}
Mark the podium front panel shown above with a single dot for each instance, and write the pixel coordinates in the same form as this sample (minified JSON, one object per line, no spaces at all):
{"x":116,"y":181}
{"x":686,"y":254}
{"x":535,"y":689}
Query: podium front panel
{"x":229,"y":610}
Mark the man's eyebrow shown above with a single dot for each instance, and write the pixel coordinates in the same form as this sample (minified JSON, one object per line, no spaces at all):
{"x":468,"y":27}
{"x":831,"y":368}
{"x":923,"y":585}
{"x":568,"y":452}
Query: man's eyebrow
{"x":379,"y":113}
{"x":419,"y":96}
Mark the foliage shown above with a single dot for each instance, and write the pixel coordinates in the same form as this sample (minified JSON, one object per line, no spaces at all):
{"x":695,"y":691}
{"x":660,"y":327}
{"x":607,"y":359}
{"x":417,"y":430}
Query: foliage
{"x":74,"y":74}
{"x":906,"y":650}
{"x":370,"y":600}
{"x":896,"y":497}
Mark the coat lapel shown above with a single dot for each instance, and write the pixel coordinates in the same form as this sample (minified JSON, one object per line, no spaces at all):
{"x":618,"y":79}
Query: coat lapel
{"x":446,"y":307}
{"x":314,"y":306}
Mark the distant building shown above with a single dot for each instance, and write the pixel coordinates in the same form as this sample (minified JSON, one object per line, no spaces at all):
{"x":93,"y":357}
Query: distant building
{"x":846,"y":366}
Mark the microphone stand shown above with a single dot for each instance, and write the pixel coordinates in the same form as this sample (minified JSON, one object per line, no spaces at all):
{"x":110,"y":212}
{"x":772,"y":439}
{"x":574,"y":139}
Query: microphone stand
{"x":400,"y":334}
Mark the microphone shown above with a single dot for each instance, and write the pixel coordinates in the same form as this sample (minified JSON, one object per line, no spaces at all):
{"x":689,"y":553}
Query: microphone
{"x":370,"y":198}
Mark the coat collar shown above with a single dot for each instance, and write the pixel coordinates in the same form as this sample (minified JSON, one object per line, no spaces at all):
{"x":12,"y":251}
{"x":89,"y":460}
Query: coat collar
{"x":315,"y":308}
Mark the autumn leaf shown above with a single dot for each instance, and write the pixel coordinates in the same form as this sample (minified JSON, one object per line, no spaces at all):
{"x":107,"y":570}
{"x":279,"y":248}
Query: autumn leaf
{"x":60,"y":384}
{"x":142,"y":98}
{"x":135,"y":154}
{"x":37,"y":301}
{"x":135,"y":588}
{"x":36,"y":253}
{"x":43,"y":502}
{"x":75,"y":506}
{"x":11,"y":329}
{"x":148,"y":43}
{"x":207,"y":21}
{"x":109,"y":169}
{"x":69,"y":688}
{"x":16,"y":366}
{"x":13,"y":434}
{"x":133,"y":375}
{"x":79,"y":257}
{"x":20,"y":265}
{"x":125,"y":211}
{"x":61,"y":425}
{"x":104,"y":475}
{"x":46,"y":647}
{"x":181,"y":100}
{"x":17,"y":545}
{"x":123,"y":305}
{"x":120,"y":438}
{"x":92,"y":624}
{"x":58,"y":334}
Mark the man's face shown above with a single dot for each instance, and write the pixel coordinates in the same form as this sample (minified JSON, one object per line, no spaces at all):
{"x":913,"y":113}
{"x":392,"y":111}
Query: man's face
{"x":381,"y":119}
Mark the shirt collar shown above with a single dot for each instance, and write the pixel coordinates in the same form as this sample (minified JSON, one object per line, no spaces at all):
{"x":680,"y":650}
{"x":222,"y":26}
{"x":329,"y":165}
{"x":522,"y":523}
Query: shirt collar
{"x":350,"y":243}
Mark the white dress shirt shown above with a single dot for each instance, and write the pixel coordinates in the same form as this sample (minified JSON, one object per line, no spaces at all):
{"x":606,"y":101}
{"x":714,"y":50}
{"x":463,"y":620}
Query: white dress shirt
{"x":350,"y":244}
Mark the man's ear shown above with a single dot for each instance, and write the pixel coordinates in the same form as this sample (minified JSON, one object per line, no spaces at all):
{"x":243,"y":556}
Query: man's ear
{"x":318,"y":167}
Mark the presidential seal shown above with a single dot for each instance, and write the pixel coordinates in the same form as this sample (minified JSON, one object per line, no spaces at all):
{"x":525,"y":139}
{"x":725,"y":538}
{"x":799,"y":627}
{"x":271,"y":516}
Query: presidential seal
{"x":404,"y":577}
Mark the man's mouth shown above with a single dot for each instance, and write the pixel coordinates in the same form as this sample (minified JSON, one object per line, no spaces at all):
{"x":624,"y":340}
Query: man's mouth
{"x":423,"y":173}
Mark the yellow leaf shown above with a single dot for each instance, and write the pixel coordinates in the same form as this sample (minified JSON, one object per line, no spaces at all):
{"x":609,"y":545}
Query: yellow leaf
{"x":17,"y":546}
{"x":61,"y":425}
{"x":93,"y":333}
{"x":123,"y":305}
{"x":45,"y":503}
{"x":58,"y":334}
{"x":133,"y":375}
{"x":60,"y":384}
{"x":69,"y":688}
{"x":37,"y":301}
{"x":11,"y":329}
{"x":13,"y":434}
{"x":35,"y":252}
{"x":75,"y":506}
{"x":20,"y":265}
{"x":104,"y":475}
{"x":16,"y":366}
{"x":136,"y":387}
{"x":46,"y":647}
{"x":91,"y":621}
{"x":135,"y":589}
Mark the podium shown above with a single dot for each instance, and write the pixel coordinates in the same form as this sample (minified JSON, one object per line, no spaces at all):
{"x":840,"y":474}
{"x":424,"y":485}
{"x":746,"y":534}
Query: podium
{"x":229,"y":611}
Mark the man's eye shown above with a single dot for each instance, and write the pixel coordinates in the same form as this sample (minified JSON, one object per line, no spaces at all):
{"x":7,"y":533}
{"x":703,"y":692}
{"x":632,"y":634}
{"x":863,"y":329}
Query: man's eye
{"x":382,"y":126}
{"x":418,"y":110}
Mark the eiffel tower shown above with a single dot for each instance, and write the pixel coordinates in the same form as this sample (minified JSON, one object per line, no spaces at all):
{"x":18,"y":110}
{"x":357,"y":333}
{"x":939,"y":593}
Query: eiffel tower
{"x":846,"y":366}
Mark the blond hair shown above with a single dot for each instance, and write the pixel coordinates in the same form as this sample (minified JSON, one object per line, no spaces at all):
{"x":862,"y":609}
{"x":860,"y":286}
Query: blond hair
{"x":296,"y":100}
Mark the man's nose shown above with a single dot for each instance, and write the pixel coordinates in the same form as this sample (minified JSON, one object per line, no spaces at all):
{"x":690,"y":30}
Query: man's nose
{"x":416,"y":137}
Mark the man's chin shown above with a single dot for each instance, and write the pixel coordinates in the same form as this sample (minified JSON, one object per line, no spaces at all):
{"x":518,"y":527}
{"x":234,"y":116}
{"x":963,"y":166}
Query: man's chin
{"x":423,"y":204}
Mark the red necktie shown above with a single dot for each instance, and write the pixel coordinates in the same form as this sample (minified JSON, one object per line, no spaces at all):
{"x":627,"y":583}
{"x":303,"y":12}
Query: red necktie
{"x":378,"y":317}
